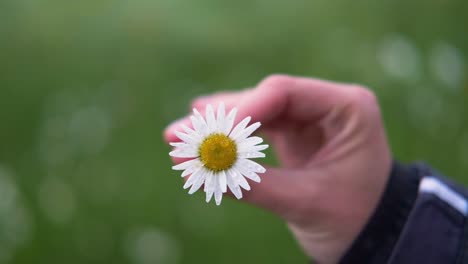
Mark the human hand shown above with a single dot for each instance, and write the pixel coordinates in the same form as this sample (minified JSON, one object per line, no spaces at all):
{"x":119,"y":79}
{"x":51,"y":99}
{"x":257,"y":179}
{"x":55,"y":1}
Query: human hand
{"x":335,"y":161}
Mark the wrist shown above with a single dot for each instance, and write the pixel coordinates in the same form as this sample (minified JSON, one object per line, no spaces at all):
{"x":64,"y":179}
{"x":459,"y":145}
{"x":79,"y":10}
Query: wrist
{"x":376,"y":241}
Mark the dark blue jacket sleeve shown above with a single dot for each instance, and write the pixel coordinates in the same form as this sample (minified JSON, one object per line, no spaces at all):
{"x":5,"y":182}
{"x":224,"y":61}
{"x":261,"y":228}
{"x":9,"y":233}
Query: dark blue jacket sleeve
{"x":421,"y":218}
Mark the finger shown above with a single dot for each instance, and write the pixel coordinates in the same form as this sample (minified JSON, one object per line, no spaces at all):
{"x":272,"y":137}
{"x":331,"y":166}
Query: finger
{"x":275,"y":192}
{"x":296,"y":97}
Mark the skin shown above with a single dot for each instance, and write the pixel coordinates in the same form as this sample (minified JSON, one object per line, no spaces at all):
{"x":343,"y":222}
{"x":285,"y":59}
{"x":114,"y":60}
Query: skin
{"x":335,"y":160}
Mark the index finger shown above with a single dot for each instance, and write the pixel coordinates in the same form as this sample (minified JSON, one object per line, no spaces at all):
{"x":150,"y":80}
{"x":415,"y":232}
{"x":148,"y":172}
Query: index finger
{"x":297,"y":98}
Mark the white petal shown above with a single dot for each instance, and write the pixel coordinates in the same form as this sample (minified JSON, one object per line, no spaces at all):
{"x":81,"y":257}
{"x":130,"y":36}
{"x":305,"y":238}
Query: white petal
{"x":250,"y":165}
{"x":188,"y":171}
{"x":210,"y":183}
{"x":199,"y":117}
{"x":222,"y":181}
{"x":187,"y":164}
{"x":178,"y":144}
{"x":239,"y":179}
{"x":208,"y":180}
{"x":187,"y":129}
{"x":233,"y":186}
{"x":249,"y":142}
{"x":195,"y":123}
{"x":199,"y":127}
{"x":192,"y":168}
{"x":184,"y":153}
{"x":189,"y":139}
{"x":251,"y":155}
{"x":193,"y":178}
{"x":210,"y":118}
{"x":190,"y":181}
{"x":191,"y":132}
{"x":199,"y":182}
{"x":230,"y":121}
{"x":247,"y":132}
{"x":247,"y":173}
{"x":220,"y":117}
{"x":240,"y":127}
{"x":260,"y":147}
{"x":202,"y":127}
{"x":218,"y":196}
{"x":208,"y":196}
{"x":244,"y":148}
{"x":218,"y":192}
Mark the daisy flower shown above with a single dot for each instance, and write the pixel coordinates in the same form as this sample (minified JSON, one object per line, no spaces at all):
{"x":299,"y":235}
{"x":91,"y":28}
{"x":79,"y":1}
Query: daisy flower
{"x":219,"y":155}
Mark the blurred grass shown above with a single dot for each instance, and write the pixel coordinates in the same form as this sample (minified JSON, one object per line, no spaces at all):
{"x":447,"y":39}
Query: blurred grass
{"x":87,"y":87}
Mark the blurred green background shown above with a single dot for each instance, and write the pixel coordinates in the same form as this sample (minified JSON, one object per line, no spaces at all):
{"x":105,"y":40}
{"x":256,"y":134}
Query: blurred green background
{"x":86,"y":88}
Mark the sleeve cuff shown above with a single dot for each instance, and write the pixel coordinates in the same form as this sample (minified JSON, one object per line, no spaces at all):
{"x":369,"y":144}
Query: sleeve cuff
{"x":377,"y":240}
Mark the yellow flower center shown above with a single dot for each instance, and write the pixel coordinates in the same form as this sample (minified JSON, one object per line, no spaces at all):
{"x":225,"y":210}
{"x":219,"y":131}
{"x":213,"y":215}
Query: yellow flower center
{"x":218,"y":152}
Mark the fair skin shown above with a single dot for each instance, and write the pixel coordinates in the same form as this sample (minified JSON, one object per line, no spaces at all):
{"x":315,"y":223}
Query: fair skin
{"x":334,"y":156}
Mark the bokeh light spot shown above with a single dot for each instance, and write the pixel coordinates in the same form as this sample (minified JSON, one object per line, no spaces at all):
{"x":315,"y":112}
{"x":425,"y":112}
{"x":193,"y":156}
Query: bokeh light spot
{"x":56,"y":200}
{"x":152,"y":245}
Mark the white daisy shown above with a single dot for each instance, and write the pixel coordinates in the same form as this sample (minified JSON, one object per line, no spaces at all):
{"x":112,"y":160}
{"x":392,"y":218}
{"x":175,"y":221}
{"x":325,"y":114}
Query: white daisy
{"x":219,"y":155}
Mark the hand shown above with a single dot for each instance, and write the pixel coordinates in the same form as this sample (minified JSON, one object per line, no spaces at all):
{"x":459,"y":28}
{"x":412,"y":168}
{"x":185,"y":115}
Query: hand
{"x":334,"y":156}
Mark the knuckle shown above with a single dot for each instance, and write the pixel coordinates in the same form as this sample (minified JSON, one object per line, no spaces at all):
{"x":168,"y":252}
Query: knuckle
{"x":361,"y":94}
{"x":275,"y":81}
{"x":365,"y":100}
